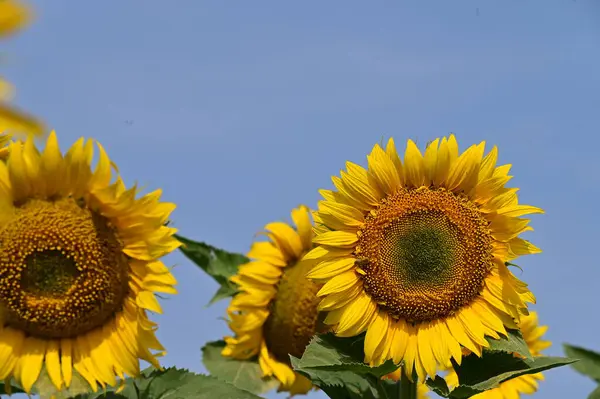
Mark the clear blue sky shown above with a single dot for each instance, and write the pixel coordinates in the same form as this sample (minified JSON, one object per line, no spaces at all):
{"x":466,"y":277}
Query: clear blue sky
{"x":243,"y":110}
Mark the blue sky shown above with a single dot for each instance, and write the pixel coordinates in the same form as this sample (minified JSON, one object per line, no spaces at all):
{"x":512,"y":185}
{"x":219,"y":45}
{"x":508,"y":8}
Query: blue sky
{"x":241,"y":111}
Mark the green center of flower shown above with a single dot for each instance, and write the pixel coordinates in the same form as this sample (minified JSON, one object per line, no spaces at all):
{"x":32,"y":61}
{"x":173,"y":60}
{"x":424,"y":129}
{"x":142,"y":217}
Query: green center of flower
{"x":425,"y":253}
{"x":62,"y":269}
{"x":419,"y":251}
{"x":293,"y":317}
{"x":48,"y":274}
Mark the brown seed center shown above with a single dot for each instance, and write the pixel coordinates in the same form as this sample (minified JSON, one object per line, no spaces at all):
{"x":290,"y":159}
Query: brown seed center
{"x":62,"y":269}
{"x":293,"y":317}
{"x":425,"y":253}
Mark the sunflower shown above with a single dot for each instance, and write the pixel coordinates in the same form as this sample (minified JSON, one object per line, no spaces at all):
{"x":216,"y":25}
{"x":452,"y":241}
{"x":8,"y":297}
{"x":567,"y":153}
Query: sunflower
{"x":79,"y":266}
{"x":414,"y":253}
{"x":13,"y":16}
{"x":275,"y":315}
{"x":527,"y":384}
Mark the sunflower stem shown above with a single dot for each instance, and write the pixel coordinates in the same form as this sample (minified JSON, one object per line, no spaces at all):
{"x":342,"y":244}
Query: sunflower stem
{"x":406,"y":388}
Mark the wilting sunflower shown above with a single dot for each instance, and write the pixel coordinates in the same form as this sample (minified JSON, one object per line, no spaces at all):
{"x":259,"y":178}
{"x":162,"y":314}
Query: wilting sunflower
{"x":13,"y":16}
{"x":79,"y":266}
{"x":526,"y":384}
{"x":275,"y":313}
{"x":414,"y":253}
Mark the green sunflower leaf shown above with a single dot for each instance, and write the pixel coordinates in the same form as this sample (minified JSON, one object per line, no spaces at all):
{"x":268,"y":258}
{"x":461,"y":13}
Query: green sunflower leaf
{"x":336,"y":366}
{"x":589,"y":361}
{"x":595,"y":394}
{"x":45,"y":388}
{"x":513,"y":343}
{"x":217,"y":263}
{"x":479,"y":374}
{"x":175,"y":383}
{"x":80,"y":389}
{"x":327,"y":350}
{"x":181,"y":383}
{"x":439,"y":386}
{"x":244,"y":374}
{"x":12,"y":388}
{"x":225,"y":291}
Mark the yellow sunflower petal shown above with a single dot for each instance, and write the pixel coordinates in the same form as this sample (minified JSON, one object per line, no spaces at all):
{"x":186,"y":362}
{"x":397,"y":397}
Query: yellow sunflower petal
{"x":414,"y":168}
{"x":412,"y":353}
{"x":341,"y":299}
{"x":346,"y":214}
{"x":17,"y":168}
{"x":383,"y":171}
{"x":13,"y":16}
{"x":400,"y":340}
{"x":375,"y":337}
{"x":346,"y":194}
{"x":325,"y":252}
{"x":465,"y":172}
{"x":66,"y":361}
{"x":53,"y":166}
{"x":286,"y":238}
{"x":438,"y":341}
{"x":32,"y":357}
{"x":488,"y":164}
{"x":430,"y":160}
{"x":339,"y":283}
{"x":13,"y":121}
{"x":301,"y":218}
{"x":11,"y":342}
{"x":457,"y":330}
{"x":519,"y":210}
{"x":424,"y":341}
{"x":300,"y":386}
{"x":336,"y":239}
{"x":52,"y":361}
{"x":359,"y":189}
{"x":356,"y":316}
{"x":330,"y":268}
{"x":267,"y":252}
{"x":390,"y":150}
{"x":443,"y":163}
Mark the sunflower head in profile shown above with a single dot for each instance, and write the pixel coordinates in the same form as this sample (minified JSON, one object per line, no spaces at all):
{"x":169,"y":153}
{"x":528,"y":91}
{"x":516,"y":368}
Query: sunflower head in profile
{"x":413,"y":252}
{"x":79,"y":266}
{"x":13,"y":17}
{"x":525,"y":384}
{"x":275,"y":315}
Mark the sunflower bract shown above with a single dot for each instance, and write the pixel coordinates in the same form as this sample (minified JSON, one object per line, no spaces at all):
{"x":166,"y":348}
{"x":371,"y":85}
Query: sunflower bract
{"x":79,"y":267}
{"x":275,"y":313}
{"x":413,"y":252}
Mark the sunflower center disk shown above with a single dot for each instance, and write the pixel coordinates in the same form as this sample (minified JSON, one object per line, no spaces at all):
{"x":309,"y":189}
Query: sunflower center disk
{"x":48,"y":274}
{"x":62,"y":270}
{"x":293,"y":317}
{"x":425,"y":253}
